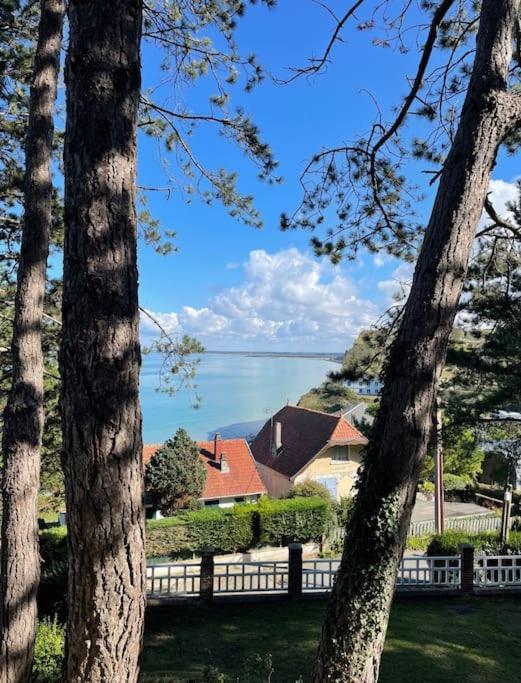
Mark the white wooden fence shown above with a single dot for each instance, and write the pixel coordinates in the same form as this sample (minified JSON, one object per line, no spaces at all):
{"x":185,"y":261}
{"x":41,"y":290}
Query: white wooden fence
{"x":497,"y":571}
{"x":469,"y":523}
{"x":183,"y":579}
{"x":488,"y":521}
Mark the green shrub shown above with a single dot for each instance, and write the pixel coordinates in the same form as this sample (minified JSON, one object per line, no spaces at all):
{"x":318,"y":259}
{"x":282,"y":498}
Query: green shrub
{"x":486,"y":542}
{"x":52,"y":590}
{"x":48,"y":651}
{"x":310,"y":489}
{"x":343,"y":510}
{"x":427,"y":488}
{"x":453,"y":482}
{"x":514,"y":542}
{"x":292,"y":520}
{"x":418,"y":542}
{"x":227,"y":530}
{"x":516,"y":524}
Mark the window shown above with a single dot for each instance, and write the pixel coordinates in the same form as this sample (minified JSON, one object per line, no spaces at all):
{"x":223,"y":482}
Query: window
{"x":330,"y":483}
{"x":211,"y":503}
{"x":340,"y":453}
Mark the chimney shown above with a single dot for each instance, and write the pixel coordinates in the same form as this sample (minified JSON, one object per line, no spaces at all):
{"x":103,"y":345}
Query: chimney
{"x":225,"y":467}
{"x":278,"y":436}
{"x":216,"y":446}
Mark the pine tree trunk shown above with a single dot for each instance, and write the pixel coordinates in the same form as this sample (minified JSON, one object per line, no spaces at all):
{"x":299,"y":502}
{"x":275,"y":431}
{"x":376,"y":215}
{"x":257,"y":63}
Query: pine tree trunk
{"x":354,"y":630}
{"x":100,"y":356}
{"x":23,"y":416}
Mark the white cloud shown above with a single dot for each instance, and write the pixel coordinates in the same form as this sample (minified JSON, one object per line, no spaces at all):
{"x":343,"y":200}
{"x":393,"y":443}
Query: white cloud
{"x":398,"y":285}
{"x":500,"y":194}
{"x":287,"y":301}
{"x":381,"y":259}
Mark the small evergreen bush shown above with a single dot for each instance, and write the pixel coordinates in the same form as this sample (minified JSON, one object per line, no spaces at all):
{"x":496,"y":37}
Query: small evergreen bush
{"x":49,"y":651}
{"x":176,"y":475}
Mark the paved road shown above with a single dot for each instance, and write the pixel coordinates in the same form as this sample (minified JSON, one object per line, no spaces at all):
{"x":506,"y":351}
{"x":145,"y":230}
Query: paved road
{"x":424,"y":510}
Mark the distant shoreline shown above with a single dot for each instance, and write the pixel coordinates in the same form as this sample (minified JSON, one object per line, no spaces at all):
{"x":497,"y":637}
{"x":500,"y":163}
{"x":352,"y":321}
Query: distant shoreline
{"x":333,"y":357}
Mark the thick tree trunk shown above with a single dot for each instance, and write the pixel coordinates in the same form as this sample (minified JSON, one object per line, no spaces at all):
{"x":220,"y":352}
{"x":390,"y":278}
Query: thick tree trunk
{"x":23,"y":417}
{"x":356,"y":621}
{"x":100,"y":356}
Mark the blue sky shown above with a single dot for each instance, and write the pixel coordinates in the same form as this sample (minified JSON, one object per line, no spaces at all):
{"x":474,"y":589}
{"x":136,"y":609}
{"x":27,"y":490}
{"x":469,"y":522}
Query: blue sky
{"x":233,"y":286}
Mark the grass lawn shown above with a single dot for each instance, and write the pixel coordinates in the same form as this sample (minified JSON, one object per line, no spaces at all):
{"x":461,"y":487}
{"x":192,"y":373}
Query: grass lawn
{"x":473,"y":641}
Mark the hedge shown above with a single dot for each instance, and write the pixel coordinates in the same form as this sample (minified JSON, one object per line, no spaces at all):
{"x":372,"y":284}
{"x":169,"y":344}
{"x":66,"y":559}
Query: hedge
{"x":227,"y":530}
{"x":487,"y":542}
{"x":293,"y":519}
{"x":269,"y":522}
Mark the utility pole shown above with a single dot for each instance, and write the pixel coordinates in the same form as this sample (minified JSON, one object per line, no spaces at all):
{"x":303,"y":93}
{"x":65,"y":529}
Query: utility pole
{"x":439,"y":503}
{"x":505,"y":516}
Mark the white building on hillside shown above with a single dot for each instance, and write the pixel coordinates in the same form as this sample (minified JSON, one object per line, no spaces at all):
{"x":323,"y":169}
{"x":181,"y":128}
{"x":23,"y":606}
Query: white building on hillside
{"x":365,"y":387}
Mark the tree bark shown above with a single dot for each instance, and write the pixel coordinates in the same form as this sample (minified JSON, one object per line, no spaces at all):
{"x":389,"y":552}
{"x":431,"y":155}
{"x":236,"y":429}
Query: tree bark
{"x":354,"y":630}
{"x":24,"y":416}
{"x":100,"y":355}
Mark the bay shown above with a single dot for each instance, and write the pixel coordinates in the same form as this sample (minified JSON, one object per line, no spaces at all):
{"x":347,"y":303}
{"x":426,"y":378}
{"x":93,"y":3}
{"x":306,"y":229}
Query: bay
{"x":234,"y":388}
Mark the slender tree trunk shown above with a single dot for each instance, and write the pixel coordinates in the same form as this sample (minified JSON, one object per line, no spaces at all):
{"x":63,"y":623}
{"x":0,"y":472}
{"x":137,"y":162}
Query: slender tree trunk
{"x":356,"y":621}
{"x":100,"y":356}
{"x":23,"y":416}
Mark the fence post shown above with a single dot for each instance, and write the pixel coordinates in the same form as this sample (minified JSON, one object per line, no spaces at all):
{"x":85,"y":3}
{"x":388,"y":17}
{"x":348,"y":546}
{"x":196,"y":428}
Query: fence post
{"x":295,"y":571}
{"x":207,"y":573}
{"x":467,"y":568}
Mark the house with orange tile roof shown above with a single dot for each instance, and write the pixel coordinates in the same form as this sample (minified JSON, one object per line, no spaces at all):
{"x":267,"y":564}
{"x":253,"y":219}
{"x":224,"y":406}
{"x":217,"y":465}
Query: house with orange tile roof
{"x":298,"y":444}
{"x":232,"y":475}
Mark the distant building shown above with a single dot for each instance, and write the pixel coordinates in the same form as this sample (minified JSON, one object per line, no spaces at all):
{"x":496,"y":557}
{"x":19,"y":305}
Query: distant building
{"x":300,"y":444}
{"x":232,"y":475}
{"x":371,"y":386}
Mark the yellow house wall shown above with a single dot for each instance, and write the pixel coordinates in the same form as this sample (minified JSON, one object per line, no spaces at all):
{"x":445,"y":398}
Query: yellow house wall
{"x":344,"y":470}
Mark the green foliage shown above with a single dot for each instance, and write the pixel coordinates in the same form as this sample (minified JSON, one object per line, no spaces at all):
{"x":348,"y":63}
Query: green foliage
{"x":427,"y":488}
{"x":462,"y":456}
{"x":310,"y":489}
{"x":295,"y":519}
{"x":418,"y":543}
{"x":453,"y":482}
{"x":196,"y":41}
{"x":227,"y":530}
{"x":488,"y":368}
{"x":175,"y":476}
{"x":344,"y":509}
{"x":330,"y":397}
{"x":497,"y":492}
{"x":52,"y":591}
{"x":181,"y":357}
{"x":270,"y":522}
{"x":366,"y":356}
{"x":487,"y":542}
{"x":49,"y":652}
{"x":361,"y":194}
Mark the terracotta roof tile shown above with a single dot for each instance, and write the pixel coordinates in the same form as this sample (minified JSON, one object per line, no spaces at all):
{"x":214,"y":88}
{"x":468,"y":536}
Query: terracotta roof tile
{"x":305,"y":432}
{"x":242,"y":478}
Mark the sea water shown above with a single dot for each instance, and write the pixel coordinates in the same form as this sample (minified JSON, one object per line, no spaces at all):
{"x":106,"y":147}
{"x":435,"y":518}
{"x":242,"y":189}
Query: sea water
{"x":234,"y":389}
